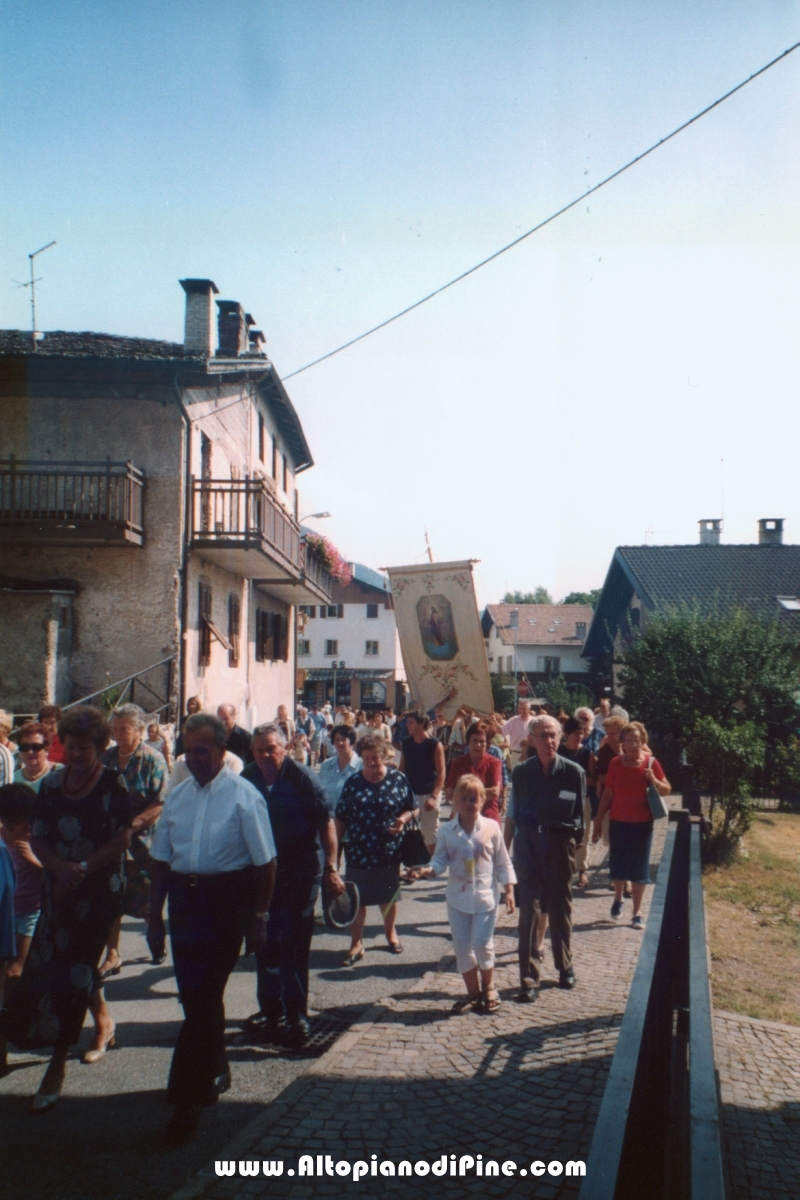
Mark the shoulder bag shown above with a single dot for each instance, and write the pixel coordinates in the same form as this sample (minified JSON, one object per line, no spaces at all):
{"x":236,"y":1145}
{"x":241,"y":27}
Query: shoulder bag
{"x":658,"y":808}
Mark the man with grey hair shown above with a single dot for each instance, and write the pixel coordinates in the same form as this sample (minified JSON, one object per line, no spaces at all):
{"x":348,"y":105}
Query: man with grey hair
{"x":239,"y":741}
{"x":547,"y":827}
{"x":214,"y":857}
{"x":305,"y":836}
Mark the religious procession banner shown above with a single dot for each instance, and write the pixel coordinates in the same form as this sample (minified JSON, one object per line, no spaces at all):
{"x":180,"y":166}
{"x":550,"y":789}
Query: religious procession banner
{"x":441,"y":637}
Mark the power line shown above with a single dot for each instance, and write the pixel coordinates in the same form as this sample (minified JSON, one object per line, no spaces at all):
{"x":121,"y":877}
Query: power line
{"x":578,"y":200}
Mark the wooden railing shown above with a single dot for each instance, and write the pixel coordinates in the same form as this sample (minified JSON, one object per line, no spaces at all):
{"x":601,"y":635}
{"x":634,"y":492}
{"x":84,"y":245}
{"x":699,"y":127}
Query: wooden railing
{"x":658,"y":1129}
{"x":70,"y":501}
{"x":245,"y":513}
{"x":315,"y":571}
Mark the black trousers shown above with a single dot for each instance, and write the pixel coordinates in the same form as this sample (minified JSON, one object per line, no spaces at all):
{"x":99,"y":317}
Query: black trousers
{"x":545,"y":883}
{"x":208,"y":918}
{"x":282,"y":965}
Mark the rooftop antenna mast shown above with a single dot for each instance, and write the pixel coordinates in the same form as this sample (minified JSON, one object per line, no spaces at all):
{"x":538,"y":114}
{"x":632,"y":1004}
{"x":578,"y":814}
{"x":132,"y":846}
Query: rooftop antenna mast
{"x":31,"y":283}
{"x":427,"y":543}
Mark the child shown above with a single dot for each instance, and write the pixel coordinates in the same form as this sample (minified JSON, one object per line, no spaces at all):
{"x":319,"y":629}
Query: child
{"x":300,"y":748}
{"x":16,"y":813}
{"x":472,"y":847}
{"x":156,"y":741}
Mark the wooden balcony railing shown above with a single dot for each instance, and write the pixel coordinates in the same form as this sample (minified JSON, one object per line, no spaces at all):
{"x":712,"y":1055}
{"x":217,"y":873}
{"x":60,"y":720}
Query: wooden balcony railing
{"x":245,"y":514}
{"x":316,"y":573}
{"x":55,"y":502}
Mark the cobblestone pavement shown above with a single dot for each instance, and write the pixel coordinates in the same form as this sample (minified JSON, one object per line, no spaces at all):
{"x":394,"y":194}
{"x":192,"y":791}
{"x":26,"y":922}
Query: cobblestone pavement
{"x":759,"y":1070}
{"x":414,"y":1082}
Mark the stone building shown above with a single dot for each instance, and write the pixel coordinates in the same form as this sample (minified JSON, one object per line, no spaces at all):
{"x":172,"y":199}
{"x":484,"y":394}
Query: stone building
{"x":352,"y":645}
{"x":149,"y":517}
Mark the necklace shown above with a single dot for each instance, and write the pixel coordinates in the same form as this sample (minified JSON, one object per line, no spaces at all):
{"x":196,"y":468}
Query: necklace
{"x":84,"y":787}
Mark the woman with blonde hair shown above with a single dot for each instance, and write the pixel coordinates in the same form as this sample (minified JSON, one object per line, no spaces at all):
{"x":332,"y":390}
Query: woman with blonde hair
{"x":624,"y":798}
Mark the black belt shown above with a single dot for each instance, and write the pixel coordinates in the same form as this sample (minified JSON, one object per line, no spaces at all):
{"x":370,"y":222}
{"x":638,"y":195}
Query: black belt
{"x":556,"y":829}
{"x":194,"y":880}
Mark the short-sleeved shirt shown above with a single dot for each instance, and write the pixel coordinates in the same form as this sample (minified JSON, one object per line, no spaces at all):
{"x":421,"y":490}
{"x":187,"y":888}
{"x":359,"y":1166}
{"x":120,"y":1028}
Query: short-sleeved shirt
{"x":490,"y":772}
{"x":28,"y":894}
{"x":297,"y":811}
{"x":145,"y":775}
{"x":332,"y":778}
{"x":8,"y":944}
{"x":367,"y":810}
{"x":629,"y":787}
{"x":222,"y":826}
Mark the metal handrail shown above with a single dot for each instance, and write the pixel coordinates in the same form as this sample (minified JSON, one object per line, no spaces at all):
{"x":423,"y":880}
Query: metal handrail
{"x":109,"y":687}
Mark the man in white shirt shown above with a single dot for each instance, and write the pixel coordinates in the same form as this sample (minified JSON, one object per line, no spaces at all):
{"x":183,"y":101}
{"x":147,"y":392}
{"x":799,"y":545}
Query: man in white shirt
{"x":180,"y":772}
{"x":516,"y":729}
{"x":213,"y":855}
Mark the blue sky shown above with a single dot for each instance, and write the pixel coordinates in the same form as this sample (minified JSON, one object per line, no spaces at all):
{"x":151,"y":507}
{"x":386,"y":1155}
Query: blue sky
{"x":328,"y":163}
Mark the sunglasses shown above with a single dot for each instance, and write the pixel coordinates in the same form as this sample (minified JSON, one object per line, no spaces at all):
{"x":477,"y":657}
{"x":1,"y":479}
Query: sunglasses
{"x":31,"y":747}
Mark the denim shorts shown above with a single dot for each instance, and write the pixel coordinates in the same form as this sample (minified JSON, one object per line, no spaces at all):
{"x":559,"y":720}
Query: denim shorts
{"x":25,"y":926}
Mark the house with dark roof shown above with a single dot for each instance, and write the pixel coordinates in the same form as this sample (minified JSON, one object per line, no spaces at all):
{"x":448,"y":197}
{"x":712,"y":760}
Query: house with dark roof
{"x":149,"y":516}
{"x":642,"y":579}
{"x":348,"y":652}
{"x":537,"y":640}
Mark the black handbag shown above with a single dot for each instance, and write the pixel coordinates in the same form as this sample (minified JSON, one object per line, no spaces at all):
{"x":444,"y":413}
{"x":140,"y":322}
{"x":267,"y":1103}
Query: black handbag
{"x":413,"y":851}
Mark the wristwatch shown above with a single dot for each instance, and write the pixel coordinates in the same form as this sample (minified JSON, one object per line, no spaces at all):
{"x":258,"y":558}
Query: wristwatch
{"x":84,"y":866}
{"x":261,"y":916}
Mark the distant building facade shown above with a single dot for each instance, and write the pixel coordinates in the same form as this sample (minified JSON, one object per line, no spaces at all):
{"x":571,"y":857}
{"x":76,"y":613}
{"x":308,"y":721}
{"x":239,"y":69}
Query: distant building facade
{"x":547,"y":641}
{"x":353,"y":639}
{"x":148,"y":517}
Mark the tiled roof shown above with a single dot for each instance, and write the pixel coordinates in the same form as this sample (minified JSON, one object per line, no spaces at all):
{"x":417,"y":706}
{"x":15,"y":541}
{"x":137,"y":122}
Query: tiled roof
{"x":91,"y":345}
{"x":671,"y":574}
{"x":540,"y":624}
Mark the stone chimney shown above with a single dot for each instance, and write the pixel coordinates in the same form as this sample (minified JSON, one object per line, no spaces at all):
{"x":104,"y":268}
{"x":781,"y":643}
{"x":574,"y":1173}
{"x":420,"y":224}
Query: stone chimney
{"x":232,"y":329}
{"x":199,"y":327}
{"x":770,"y":531}
{"x":710,"y":530}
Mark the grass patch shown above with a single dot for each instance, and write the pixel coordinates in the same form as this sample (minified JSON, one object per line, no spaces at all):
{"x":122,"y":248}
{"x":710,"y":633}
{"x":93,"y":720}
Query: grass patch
{"x":753,"y":909}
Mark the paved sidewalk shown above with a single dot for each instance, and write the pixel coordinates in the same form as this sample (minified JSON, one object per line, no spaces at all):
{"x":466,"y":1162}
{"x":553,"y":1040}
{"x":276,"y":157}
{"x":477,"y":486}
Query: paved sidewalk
{"x":414,"y":1082}
{"x":759,"y":1071}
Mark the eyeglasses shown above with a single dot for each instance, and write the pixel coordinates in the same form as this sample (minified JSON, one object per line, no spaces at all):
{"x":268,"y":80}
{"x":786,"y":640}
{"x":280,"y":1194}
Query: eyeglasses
{"x":31,"y":747}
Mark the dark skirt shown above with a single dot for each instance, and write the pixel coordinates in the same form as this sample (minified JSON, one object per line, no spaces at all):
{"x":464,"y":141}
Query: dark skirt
{"x":376,"y":885}
{"x":629,"y":850}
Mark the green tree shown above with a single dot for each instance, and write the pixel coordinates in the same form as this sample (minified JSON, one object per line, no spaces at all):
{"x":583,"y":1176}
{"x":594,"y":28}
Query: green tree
{"x":539,"y":595}
{"x":502,"y":692}
{"x":720,"y":661}
{"x":583,"y":598}
{"x":725,"y":759}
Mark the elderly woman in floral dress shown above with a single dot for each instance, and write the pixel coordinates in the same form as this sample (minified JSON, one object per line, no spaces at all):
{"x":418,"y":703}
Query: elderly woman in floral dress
{"x":81,"y":830}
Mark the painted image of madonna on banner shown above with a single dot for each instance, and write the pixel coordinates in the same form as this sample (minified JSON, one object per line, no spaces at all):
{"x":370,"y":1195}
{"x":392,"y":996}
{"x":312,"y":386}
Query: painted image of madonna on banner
{"x":435,"y":617}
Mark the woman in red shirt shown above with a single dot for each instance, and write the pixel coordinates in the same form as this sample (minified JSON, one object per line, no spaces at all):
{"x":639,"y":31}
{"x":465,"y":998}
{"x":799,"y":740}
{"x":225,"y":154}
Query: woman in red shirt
{"x":630,"y":828}
{"x":478,"y":761}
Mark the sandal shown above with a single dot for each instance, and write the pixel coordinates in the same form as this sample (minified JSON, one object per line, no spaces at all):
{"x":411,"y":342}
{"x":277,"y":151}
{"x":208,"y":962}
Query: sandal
{"x":491,"y":1000}
{"x":465,"y":1004}
{"x":583,"y":880}
{"x":353,"y":957}
{"x":395,"y":947}
{"x":108,"y":968}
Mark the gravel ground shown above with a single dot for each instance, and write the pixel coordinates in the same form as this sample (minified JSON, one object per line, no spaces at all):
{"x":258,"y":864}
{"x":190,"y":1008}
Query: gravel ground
{"x":101,"y":1139}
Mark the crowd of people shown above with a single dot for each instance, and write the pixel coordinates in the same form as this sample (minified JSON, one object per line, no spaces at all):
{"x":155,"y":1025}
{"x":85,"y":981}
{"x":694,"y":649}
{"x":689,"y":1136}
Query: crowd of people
{"x":243,"y":834}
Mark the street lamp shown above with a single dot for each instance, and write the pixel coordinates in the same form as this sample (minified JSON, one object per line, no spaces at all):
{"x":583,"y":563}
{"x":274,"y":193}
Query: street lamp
{"x":314,"y":516}
{"x":341,"y":666}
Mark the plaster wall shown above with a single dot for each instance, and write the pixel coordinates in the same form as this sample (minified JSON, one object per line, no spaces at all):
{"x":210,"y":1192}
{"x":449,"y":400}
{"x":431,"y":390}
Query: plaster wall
{"x":126,"y":613}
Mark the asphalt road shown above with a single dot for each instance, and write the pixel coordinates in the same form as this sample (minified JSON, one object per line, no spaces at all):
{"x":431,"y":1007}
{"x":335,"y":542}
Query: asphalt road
{"x":101,"y":1139}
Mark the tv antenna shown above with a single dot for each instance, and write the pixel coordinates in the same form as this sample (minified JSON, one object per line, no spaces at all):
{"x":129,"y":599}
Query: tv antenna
{"x":31,"y":283}
{"x":428,"y":545}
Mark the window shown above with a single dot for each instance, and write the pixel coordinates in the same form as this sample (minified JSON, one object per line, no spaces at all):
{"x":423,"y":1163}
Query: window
{"x":372,"y":648}
{"x":636,"y":616}
{"x":309,"y":609}
{"x":260,"y":438}
{"x":372,"y":610}
{"x":234,"y":622}
{"x":303,"y":648}
{"x":285,"y":474}
{"x":204,"y":629}
{"x":274,"y":458}
{"x":331,"y":647}
{"x":580,"y":630}
{"x":550,"y":666}
{"x":334,"y":610}
{"x":272,"y":636}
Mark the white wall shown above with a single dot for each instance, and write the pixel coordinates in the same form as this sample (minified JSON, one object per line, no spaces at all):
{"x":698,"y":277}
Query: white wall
{"x":352,"y":631}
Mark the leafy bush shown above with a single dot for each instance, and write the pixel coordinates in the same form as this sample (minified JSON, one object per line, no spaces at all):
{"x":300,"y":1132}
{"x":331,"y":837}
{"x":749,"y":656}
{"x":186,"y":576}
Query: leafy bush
{"x":724,"y":759}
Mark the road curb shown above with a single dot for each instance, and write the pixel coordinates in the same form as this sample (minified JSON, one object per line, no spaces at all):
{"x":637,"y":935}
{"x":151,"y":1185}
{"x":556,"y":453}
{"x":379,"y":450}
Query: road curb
{"x":258,"y":1128}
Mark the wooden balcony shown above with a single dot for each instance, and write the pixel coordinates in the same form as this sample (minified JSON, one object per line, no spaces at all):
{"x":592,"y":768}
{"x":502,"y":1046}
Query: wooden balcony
{"x":240,"y":525}
{"x":63,"y":503}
